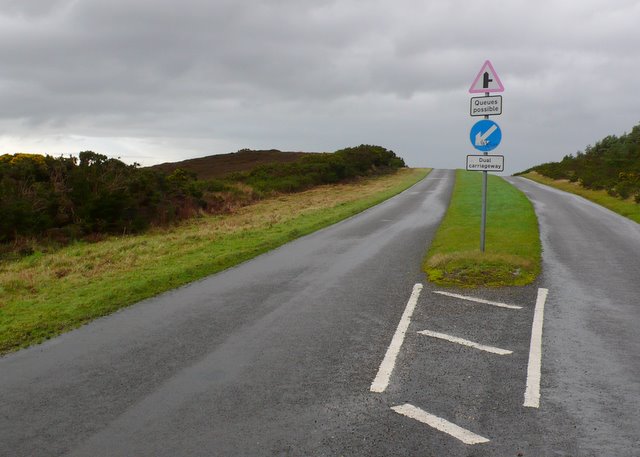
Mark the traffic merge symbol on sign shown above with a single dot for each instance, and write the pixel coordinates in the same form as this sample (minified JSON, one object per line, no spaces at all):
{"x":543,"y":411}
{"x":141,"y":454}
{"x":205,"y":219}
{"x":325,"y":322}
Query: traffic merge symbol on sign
{"x":485,"y":135}
{"x":487,"y":80}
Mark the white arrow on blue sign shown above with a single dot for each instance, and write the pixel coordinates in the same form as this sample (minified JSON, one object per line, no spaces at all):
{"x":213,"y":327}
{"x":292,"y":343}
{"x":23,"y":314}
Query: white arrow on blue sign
{"x":485,"y":135}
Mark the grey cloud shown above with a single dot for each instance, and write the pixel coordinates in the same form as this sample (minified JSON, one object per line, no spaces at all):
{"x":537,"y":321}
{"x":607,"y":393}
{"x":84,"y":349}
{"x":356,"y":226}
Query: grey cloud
{"x":32,"y":8}
{"x":319,"y":74}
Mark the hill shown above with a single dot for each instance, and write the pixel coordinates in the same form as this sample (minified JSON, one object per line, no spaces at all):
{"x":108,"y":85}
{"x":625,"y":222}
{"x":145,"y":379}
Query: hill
{"x":222,"y":165}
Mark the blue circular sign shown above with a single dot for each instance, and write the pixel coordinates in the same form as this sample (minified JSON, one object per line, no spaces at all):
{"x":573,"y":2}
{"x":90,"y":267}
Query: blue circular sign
{"x":485,"y":135}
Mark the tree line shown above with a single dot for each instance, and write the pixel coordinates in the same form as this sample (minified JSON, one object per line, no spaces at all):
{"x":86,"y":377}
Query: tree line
{"x":612,"y":164}
{"x":67,"y":198}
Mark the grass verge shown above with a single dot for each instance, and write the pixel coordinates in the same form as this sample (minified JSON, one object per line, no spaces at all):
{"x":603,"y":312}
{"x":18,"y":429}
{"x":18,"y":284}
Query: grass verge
{"x":46,"y":294}
{"x":627,"y":208}
{"x":512,"y":254}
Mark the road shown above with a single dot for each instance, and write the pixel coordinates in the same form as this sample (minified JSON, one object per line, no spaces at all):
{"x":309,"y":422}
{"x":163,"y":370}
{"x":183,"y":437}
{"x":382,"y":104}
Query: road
{"x":282,"y":355}
{"x":591,"y":365}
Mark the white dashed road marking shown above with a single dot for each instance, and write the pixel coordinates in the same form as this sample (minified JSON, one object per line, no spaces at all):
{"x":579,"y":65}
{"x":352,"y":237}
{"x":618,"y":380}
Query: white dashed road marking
{"x":438,"y":423}
{"x":478,"y":300}
{"x":532,"y":392}
{"x":472,"y":344}
{"x":381,"y":381}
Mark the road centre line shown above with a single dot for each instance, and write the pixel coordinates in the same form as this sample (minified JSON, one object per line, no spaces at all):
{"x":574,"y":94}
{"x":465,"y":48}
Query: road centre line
{"x":381,"y":380}
{"x":532,"y":391}
{"x":455,"y":339}
{"x":438,"y":423}
{"x":478,"y":300}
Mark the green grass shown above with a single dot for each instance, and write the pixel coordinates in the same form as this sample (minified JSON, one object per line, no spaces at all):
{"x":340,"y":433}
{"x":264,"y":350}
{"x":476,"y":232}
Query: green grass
{"x":512,"y":250}
{"x":48,"y":293}
{"x":627,"y":208}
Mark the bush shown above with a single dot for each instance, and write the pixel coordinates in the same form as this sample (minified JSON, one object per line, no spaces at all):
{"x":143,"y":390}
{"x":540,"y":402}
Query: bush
{"x":66,"y":197}
{"x":613,"y":163}
{"x":41,"y":195}
{"x":313,"y":170}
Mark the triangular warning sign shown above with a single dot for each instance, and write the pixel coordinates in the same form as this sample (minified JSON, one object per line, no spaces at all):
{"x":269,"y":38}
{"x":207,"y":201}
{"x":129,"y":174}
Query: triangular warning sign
{"x":487,"y":80}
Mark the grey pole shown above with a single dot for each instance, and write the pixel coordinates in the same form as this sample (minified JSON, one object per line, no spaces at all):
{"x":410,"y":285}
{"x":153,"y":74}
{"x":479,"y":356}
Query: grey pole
{"x":483,"y":223}
{"x":484,"y":210}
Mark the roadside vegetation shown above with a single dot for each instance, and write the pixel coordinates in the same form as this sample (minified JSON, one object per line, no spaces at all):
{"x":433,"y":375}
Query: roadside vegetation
{"x":66,"y":198}
{"x":49,"y":292}
{"x":627,"y":208}
{"x":607,"y":173}
{"x":512,"y":254}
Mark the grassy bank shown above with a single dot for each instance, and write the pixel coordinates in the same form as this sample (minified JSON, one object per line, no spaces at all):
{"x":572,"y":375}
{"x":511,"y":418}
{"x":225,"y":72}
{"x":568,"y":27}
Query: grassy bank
{"x":627,"y":208}
{"x":513,"y":251}
{"x":46,"y":294}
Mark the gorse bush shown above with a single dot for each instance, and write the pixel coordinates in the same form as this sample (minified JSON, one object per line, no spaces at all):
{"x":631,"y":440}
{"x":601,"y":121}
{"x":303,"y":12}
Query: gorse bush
{"x":66,"y":198}
{"x":317,"y":169}
{"x":612,"y":164}
{"x":69,"y":197}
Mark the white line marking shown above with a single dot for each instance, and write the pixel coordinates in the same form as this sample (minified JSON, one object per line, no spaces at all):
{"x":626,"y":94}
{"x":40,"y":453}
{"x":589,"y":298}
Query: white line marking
{"x":381,"y":381}
{"x":532,"y":392}
{"x":478,"y":300}
{"x":455,"y":339}
{"x":438,"y":423}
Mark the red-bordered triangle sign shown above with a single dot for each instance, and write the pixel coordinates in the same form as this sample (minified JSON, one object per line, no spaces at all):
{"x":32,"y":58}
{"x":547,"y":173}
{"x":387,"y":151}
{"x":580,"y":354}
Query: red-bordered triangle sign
{"x":487,"y":80}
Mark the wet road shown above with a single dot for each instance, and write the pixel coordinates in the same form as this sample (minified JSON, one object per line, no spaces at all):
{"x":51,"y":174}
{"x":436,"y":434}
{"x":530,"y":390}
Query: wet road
{"x":591,"y":363}
{"x":278,"y":356}
{"x":272,"y":357}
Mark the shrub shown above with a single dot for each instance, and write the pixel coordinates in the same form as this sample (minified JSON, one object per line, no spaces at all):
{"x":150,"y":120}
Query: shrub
{"x":613,"y":163}
{"x":319,"y":169}
{"x":41,"y":195}
{"x":67,"y":197}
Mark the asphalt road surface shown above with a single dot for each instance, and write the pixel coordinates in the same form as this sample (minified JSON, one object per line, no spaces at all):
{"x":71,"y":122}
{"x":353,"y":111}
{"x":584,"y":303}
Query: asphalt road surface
{"x":591,"y":361}
{"x":335,"y":345}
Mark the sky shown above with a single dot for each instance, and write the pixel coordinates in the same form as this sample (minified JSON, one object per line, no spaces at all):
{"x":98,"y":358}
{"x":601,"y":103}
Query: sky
{"x":152,"y":81}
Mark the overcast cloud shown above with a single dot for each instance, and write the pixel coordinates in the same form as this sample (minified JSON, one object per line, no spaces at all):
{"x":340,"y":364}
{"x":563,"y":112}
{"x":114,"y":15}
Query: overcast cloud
{"x":158,"y":80}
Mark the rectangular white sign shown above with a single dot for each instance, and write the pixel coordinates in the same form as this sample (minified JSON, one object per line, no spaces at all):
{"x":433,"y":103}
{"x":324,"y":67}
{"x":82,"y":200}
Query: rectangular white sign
{"x":486,"y":106}
{"x":485,"y":163}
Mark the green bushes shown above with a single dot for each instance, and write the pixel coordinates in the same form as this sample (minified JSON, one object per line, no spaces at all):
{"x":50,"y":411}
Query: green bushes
{"x":317,"y":169}
{"x":612,"y":164}
{"x":66,"y":198}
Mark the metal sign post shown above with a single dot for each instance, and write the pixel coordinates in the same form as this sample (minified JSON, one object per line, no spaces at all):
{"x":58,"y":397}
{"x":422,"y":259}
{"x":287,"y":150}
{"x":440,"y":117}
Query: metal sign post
{"x":483,"y":222}
{"x":485,"y":135}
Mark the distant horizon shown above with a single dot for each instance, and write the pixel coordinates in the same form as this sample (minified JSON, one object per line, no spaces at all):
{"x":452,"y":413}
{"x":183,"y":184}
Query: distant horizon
{"x":115,"y":79}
